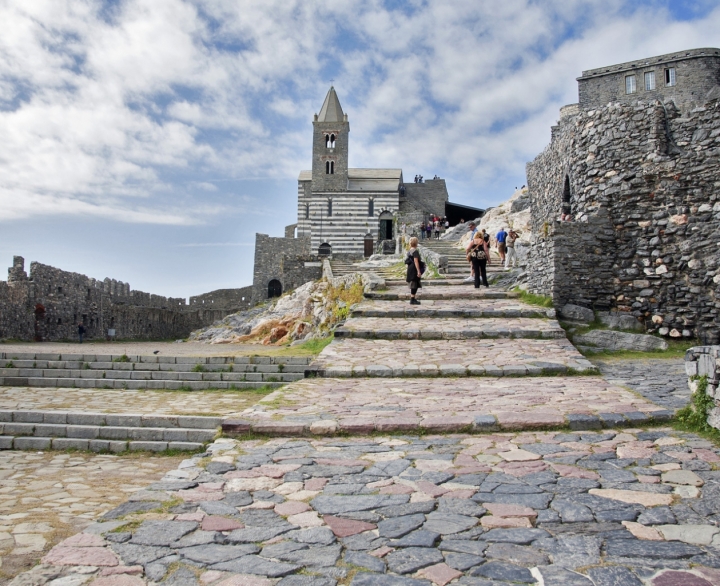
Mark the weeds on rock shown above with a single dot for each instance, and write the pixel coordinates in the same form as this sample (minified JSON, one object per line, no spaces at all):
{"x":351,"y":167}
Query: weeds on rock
{"x":123,"y":358}
{"x":533,"y":298}
{"x":694,"y":417}
{"x":198,"y":368}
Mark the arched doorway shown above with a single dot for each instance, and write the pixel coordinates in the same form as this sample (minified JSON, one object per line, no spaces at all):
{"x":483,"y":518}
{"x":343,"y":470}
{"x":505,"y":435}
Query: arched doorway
{"x":274,"y":289}
{"x":324,"y":249}
{"x":385,"y":231}
{"x":368,"y":245}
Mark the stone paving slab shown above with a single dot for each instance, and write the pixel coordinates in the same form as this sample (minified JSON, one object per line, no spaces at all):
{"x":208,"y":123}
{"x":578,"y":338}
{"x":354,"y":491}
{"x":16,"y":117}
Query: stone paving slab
{"x":466,"y":308}
{"x":400,"y":358}
{"x":448,"y":328}
{"x":126,"y":401}
{"x":551,"y":508}
{"x":364,"y":405}
{"x":46,"y":497}
{"x":457,"y":292}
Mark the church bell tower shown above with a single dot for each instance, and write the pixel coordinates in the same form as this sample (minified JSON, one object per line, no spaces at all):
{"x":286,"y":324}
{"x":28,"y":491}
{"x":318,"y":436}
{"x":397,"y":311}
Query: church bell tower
{"x":331,"y":131}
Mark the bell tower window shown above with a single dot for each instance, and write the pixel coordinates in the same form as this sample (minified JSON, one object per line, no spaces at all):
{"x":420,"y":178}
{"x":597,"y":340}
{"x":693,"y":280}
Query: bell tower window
{"x":330,"y":141}
{"x":329,"y":167}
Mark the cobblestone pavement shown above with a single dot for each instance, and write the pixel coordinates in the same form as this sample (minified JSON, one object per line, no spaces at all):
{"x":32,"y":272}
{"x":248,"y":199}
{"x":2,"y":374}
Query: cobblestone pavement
{"x":348,"y":357}
{"x":449,"y":328}
{"x":126,"y":401}
{"x":45,"y":497}
{"x":141,"y":348}
{"x":362,"y":405}
{"x":661,"y":380}
{"x":628,"y":508}
{"x":452,"y":308}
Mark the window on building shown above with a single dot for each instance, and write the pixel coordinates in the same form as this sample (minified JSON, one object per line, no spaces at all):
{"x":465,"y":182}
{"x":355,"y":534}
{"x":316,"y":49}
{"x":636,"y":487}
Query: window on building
{"x":307,"y":211}
{"x":329,"y":167}
{"x":630,"y":84}
{"x":649,"y":81}
{"x":329,"y":208}
{"x":371,"y":207}
{"x":330,"y":141}
{"x":332,"y":167}
{"x":670,"y":76}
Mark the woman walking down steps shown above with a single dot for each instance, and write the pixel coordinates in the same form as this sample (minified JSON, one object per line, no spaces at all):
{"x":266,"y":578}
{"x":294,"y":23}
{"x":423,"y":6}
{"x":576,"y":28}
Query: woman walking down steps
{"x":413,"y":270}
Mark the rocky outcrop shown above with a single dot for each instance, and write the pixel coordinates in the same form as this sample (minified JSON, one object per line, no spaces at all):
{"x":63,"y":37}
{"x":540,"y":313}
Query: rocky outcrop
{"x":610,"y":340}
{"x":310,"y":311}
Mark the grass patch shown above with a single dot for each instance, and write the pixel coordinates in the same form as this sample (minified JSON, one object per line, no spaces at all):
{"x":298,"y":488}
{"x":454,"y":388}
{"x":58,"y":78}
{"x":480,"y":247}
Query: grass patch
{"x":123,"y":358}
{"x":676,"y":349}
{"x":533,"y":298}
{"x":313,"y":347}
{"x":693,"y":417}
{"x":198,"y":368}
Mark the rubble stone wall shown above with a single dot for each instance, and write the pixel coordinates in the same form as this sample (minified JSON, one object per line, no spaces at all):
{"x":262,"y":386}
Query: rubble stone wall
{"x":645,"y":202}
{"x":705,"y":361}
{"x":231,"y":299}
{"x":48,"y":304}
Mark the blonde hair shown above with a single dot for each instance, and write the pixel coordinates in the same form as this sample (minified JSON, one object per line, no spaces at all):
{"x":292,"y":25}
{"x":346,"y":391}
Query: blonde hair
{"x":414,"y":242}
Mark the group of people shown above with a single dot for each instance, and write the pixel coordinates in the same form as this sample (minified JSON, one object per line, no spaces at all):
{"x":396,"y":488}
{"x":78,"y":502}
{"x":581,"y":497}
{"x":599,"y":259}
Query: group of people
{"x":478,"y":254}
{"x":435,"y":225}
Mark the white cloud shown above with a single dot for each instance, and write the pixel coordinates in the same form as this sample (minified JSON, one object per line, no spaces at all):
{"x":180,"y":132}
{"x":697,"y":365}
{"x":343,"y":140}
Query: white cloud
{"x":106,"y":111}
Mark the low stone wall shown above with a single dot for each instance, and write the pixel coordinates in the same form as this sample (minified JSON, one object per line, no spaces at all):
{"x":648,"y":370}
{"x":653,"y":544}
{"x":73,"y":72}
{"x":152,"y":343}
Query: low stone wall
{"x":439,"y":260}
{"x":705,"y":361}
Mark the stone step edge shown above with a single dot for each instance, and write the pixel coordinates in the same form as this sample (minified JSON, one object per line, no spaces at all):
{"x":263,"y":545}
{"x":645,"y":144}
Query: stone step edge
{"x":447,"y":371}
{"x":445,"y":335}
{"x":150,"y":375}
{"x":255,"y":359}
{"x":184,"y":370}
{"x":129,"y":420}
{"x":136,"y":384}
{"x":108,"y":433}
{"x":479,"y":424}
{"x":98,"y":446}
{"x":433,"y":313}
{"x":430,"y":295}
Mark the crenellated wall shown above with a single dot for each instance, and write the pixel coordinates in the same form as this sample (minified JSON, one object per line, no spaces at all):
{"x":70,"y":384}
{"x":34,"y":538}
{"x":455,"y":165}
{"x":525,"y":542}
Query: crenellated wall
{"x":48,"y":304}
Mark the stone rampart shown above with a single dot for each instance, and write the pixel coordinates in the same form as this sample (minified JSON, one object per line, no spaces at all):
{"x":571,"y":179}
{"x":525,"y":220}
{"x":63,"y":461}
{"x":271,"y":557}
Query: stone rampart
{"x":640,"y":184}
{"x":230,"y":299}
{"x":48,"y":304}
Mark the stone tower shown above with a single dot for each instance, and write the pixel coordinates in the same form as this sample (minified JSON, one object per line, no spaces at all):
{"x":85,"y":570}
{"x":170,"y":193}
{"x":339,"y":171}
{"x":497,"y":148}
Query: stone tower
{"x":331,"y":131}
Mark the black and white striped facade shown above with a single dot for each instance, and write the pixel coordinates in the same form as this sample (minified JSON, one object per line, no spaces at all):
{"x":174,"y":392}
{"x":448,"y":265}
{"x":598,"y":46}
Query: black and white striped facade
{"x":344,"y":219}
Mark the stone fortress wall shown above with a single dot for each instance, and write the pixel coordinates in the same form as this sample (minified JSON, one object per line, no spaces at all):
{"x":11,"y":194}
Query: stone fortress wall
{"x":641,"y":183}
{"x":49,"y":303}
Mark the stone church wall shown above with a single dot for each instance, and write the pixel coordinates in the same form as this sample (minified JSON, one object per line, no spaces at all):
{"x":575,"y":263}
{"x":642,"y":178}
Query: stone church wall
{"x":230,"y":299}
{"x":645,"y":201}
{"x":48,"y":304}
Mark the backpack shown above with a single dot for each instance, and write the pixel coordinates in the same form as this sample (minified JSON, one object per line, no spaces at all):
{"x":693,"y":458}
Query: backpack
{"x":409,"y":261}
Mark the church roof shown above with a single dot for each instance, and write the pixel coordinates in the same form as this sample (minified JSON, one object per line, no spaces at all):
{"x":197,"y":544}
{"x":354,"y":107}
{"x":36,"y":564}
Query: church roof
{"x":374,"y":173}
{"x":331,"y":110}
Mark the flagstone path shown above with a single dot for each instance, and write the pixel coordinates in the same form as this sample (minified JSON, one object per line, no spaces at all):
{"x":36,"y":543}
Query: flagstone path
{"x":621,"y":507}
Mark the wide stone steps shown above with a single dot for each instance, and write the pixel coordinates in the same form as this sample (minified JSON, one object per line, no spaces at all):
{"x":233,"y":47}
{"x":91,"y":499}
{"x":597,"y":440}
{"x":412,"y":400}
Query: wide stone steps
{"x":104,"y":432}
{"x":466,"y":291}
{"x":477,"y":308}
{"x":448,"y":328}
{"x":346,"y":358}
{"x":148,"y":372}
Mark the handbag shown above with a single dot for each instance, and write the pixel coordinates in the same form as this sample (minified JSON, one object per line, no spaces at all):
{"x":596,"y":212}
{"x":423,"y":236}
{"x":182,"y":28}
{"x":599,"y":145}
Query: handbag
{"x":478,"y":253}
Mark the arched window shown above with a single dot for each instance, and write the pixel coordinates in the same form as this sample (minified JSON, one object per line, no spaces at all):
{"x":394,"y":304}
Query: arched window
{"x":324,"y":249}
{"x":329,"y":211}
{"x":566,"y":196}
{"x":371,"y":207}
{"x":327,"y":167}
{"x":332,"y":167}
{"x":274,"y":289}
{"x":307,"y":211}
{"x":332,"y":141}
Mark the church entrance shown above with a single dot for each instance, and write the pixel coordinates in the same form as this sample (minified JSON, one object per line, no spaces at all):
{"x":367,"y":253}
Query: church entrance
{"x":386,"y":226}
{"x":274,"y":289}
{"x":368,"y":245}
{"x":324,"y":249}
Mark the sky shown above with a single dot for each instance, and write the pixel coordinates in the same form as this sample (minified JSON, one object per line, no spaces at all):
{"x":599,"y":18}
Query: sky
{"x":149,"y":140}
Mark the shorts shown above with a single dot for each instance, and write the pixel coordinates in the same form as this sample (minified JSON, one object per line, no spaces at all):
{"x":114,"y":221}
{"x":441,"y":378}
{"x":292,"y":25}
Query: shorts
{"x":501,"y":247}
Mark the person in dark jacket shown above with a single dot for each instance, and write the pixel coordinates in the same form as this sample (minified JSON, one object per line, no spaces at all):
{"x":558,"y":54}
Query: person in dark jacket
{"x":413,"y":270}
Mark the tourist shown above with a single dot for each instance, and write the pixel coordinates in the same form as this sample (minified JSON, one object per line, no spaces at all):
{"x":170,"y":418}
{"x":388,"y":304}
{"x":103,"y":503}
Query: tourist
{"x":510,"y":245}
{"x":447,"y":224}
{"x":422,"y":230}
{"x":413,"y":271}
{"x":500,"y":238}
{"x":81,"y":331}
{"x":472,"y":229}
{"x":428,"y":229}
{"x":479,"y":254}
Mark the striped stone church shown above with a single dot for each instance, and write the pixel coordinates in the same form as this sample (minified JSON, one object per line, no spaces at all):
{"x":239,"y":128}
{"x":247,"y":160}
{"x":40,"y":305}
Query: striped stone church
{"x":348,"y":211}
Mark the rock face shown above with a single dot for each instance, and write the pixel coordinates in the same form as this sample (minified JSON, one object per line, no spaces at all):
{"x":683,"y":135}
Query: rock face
{"x":638,"y":181}
{"x":608,"y":340}
{"x":577,"y":313}
{"x":306,"y":313}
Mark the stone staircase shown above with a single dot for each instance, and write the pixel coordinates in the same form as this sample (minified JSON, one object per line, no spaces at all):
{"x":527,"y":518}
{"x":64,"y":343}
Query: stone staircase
{"x":104,"y":432}
{"x":458,"y":266}
{"x":148,"y":372}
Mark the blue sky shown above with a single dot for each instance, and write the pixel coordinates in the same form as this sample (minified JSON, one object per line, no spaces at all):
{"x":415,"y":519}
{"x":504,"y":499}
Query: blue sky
{"x":149,"y":140}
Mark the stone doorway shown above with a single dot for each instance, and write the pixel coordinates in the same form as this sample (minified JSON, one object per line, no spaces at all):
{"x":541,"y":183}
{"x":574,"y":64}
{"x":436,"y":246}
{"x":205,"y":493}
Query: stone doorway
{"x":274,"y":289}
{"x":386,"y":226}
{"x":368,"y":245}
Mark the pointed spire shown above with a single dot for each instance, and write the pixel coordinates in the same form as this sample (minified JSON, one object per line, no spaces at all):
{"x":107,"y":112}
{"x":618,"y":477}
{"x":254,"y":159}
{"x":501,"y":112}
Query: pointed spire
{"x":331,"y":110}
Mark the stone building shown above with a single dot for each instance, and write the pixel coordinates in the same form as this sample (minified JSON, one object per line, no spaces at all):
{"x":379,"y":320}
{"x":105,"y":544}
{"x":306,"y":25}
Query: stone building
{"x":637,"y":177}
{"x":48,"y":304}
